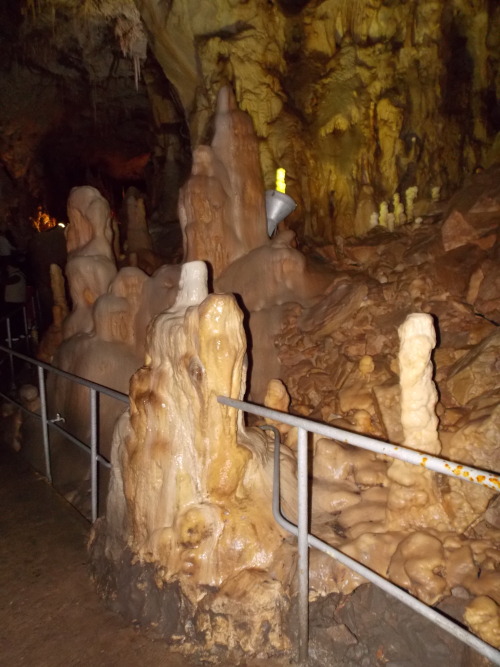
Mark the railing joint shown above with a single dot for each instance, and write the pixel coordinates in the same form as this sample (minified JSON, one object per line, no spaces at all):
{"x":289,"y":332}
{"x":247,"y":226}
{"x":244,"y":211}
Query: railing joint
{"x":57,"y":419}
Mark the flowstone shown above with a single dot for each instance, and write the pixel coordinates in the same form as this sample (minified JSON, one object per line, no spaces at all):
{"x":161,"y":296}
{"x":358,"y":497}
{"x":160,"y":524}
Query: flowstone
{"x":190,"y":493}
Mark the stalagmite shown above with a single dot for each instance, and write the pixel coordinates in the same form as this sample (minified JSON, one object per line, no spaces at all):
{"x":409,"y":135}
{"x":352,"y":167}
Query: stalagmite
{"x":418,"y":392}
{"x":223,"y":218}
{"x":414,"y":499}
{"x":54,"y":335}
{"x":190,"y":491}
{"x":410,"y":196}
{"x":58,"y":292}
{"x":103,"y":335}
{"x":221,"y":207}
{"x":91,"y":265}
{"x":139,"y":243}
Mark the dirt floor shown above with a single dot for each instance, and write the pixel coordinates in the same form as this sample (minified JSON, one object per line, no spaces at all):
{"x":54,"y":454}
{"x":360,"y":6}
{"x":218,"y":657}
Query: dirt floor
{"x":50,"y":615}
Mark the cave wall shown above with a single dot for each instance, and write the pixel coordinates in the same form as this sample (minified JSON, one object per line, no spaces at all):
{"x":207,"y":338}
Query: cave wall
{"x":356,"y":100}
{"x":367,"y":96}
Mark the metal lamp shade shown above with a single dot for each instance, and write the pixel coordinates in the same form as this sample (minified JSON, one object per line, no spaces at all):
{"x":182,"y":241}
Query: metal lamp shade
{"x":278,"y":206}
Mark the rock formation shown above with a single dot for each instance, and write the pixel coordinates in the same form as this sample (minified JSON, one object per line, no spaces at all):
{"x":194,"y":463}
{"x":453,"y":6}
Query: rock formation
{"x":187,"y":541}
{"x":340,"y":361}
{"x":104,"y":334}
{"x":358,"y":101}
{"x":222,"y":214}
{"x":139,"y":244}
{"x":192,"y":496}
{"x":352,"y":99}
{"x":377,"y":111}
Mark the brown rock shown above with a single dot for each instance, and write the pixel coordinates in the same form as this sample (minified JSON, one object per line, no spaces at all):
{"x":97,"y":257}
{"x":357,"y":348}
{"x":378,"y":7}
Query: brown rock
{"x":484,"y":290}
{"x":387,"y":404}
{"x":453,"y":275}
{"x":314,"y":386}
{"x":340,"y":634}
{"x":476,"y":440}
{"x":364,"y":254}
{"x":336,"y":308}
{"x":477,"y":372}
{"x":462,"y":228}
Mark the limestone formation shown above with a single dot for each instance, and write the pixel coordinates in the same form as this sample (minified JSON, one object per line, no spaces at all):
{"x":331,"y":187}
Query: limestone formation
{"x":188,"y":519}
{"x":191,"y":495}
{"x":103,"y":335}
{"x":221,"y":208}
{"x":477,"y":372}
{"x":357,"y":101}
{"x":54,"y":335}
{"x":139,"y":244}
{"x":415,"y":491}
{"x":350,"y":98}
{"x":483,"y":616}
{"x":90,"y":267}
{"x":422,"y":531}
{"x":222,"y":214}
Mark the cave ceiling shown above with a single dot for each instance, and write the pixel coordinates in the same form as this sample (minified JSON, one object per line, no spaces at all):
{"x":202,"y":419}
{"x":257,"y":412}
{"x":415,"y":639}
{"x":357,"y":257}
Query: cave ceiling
{"x":74,"y":107}
{"x":356,"y":100}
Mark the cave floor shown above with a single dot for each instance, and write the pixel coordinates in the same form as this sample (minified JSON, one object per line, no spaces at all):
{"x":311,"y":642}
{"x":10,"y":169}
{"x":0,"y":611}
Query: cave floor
{"x":50,"y":615}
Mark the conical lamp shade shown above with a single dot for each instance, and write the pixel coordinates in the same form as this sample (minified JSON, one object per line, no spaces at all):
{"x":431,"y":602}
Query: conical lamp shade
{"x":278,"y":206}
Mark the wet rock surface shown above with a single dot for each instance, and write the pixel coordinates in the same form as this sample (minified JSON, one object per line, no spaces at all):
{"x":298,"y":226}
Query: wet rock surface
{"x":190,"y":484}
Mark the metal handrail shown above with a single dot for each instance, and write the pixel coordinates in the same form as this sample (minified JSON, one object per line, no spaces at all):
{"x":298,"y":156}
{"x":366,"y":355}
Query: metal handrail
{"x":6,"y":319}
{"x":306,"y":539}
{"x":96,"y":458}
{"x":102,"y":389}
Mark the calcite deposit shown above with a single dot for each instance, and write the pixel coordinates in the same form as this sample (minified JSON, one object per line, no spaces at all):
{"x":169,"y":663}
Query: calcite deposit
{"x":359,"y":101}
{"x":356,"y":100}
{"x":192,"y":495}
{"x":188,"y":520}
{"x":385,"y":117}
{"x":103,"y":335}
{"x":424,"y":532}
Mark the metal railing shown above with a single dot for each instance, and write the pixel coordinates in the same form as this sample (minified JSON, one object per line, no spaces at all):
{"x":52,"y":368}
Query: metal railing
{"x":48,"y":423}
{"x":10,"y":337}
{"x":306,"y":539}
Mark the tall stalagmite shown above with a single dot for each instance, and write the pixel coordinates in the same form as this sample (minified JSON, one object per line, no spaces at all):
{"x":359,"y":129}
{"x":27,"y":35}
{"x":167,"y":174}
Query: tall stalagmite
{"x":190,"y":493}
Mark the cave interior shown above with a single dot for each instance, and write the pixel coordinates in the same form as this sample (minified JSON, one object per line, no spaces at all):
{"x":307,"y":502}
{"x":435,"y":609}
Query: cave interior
{"x":151,"y":130}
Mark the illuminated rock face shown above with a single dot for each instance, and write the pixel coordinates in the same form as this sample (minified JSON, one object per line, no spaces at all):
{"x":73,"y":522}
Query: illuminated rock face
{"x":223,"y":217}
{"x":221,"y":207}
{"x":188,"y":515}
{"x":357,"y":100}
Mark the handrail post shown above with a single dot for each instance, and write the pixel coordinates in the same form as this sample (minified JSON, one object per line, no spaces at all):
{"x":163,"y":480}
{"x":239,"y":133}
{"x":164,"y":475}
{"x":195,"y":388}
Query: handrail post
{"x":25,"y":320}
{"x":45,"y":428}
{"x":26,"y":329}
{"x":9,"y":345}
{"x":93,"y":452}
{"x":303,"y":542}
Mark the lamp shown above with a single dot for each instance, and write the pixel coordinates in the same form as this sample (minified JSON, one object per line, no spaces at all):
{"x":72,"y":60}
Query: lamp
{"x":278,"y":206}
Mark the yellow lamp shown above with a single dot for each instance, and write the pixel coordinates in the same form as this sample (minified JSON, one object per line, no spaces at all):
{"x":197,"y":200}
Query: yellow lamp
{"x":280,"y":180}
